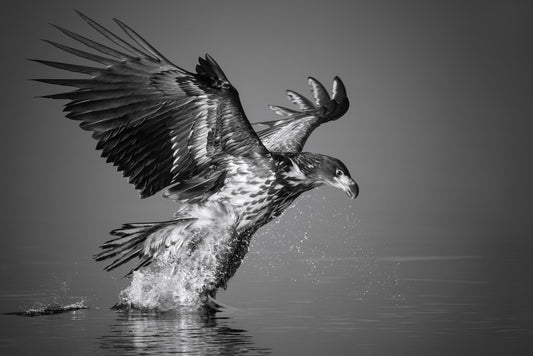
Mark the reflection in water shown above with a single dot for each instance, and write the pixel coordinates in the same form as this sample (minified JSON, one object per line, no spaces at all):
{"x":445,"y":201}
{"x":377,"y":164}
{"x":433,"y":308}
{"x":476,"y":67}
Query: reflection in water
{"x":409,"y":305}
{"x":187,"y":332}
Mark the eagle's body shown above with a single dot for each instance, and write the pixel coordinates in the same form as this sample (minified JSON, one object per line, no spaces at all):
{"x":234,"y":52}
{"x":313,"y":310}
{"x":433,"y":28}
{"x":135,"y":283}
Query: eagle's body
{"x":260,"y":189}
{"x":184,"y":133}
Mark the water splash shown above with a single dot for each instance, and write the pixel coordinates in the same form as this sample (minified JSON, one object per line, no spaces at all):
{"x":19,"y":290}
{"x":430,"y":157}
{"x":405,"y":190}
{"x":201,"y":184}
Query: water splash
{"x":169,"y":284}
{"x":307,"y":235}
{"x":40,"y":309}
{"x":184,"y":274}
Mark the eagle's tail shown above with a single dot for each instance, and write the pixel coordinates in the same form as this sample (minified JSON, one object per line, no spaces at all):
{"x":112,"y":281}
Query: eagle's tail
{"x":131,"y":241}
{"x":177,"y":237}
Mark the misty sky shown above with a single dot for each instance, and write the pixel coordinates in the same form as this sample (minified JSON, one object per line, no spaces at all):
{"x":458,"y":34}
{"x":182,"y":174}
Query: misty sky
{"x":438,"y":135}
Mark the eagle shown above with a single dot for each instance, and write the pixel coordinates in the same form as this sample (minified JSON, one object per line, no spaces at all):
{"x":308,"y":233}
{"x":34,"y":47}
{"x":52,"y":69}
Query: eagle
{"x":185,"y":134}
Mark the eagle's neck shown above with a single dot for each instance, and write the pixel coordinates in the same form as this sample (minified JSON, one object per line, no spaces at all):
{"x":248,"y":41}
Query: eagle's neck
{"x":300,"y":171}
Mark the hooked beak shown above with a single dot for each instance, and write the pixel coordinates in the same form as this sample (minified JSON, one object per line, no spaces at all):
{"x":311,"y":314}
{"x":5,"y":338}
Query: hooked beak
{"x":347,"y":185}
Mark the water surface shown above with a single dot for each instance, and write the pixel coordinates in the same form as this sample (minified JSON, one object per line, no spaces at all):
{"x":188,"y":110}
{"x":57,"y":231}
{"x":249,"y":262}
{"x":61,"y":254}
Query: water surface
{"x":434,"y":305}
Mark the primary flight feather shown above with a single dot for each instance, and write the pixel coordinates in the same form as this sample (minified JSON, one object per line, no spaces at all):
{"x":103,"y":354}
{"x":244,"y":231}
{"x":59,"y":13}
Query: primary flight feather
{"x":185,"y":133}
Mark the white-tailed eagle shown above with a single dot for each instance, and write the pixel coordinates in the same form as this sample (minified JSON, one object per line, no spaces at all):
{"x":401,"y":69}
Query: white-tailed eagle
{"x":186,"y":134}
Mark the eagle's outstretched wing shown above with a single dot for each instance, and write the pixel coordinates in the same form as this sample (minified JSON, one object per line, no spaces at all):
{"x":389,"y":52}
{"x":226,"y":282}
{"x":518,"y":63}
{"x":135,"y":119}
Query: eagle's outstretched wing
{"x":158,"y":123}
{"x":290,"y":133}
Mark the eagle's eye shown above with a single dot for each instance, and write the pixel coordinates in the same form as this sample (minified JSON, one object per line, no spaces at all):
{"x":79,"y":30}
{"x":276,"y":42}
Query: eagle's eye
{"x":339,"y":172}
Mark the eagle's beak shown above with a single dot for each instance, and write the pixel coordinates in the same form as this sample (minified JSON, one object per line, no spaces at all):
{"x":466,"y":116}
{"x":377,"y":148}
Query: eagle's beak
{"x":347,"y":185}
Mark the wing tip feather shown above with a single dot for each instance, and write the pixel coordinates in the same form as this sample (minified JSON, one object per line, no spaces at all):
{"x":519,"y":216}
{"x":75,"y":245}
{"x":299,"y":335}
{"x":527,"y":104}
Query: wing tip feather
{"x":339,"y":90}
{"x":81,"y":14}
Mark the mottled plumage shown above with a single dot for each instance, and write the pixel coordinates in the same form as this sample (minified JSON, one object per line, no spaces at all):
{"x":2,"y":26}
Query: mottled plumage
{"x":185,"y":133}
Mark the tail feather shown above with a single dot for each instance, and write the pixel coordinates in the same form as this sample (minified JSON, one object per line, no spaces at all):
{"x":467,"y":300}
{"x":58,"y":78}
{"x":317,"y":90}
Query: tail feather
{"x":174,"y":238}
{"x":124,"y":259}
{"x":129,"y":244}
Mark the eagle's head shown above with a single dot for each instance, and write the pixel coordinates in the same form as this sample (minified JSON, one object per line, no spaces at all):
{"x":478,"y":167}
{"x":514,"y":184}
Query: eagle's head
{"x":317,"y":169}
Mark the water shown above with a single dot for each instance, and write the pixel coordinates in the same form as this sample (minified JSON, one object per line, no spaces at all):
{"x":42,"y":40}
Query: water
{"x":393,"y":305}
{"x":300,"y":291}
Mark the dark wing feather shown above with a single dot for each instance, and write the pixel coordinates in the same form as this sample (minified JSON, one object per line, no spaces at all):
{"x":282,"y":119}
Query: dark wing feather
{"x":159,"y":124}
{"x":290,"y":133}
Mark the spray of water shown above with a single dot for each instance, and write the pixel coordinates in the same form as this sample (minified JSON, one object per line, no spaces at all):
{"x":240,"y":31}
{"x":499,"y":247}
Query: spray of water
{"x":184,"y":271}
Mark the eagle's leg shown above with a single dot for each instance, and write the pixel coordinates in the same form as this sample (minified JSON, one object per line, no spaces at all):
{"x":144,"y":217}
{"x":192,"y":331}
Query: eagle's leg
{"x":208,"y":297}
{"x":230,"y":260}
{"x":233,"y":261}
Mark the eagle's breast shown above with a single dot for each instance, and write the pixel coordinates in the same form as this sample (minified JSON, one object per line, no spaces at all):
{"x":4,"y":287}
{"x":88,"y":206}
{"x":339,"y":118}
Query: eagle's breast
{"x":252,"y":188}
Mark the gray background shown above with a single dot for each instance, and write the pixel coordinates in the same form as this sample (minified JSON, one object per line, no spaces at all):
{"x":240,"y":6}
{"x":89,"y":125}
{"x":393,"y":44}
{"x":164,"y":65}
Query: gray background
{"x":438,"y":135}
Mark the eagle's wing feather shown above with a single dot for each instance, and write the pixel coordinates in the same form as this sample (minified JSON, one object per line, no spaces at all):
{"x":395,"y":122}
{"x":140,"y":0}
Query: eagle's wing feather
{"x":158,"y":123}
{"x":290,"y":133}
